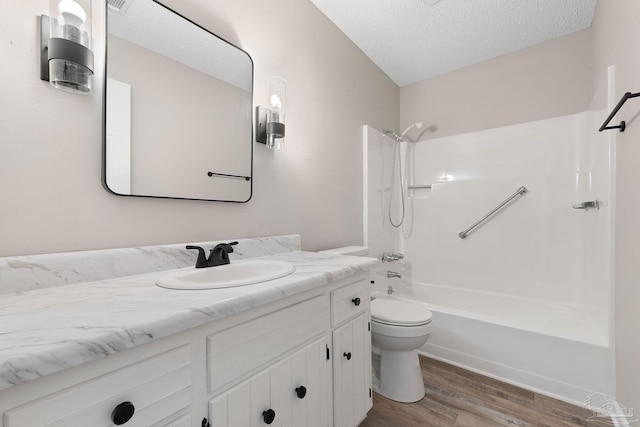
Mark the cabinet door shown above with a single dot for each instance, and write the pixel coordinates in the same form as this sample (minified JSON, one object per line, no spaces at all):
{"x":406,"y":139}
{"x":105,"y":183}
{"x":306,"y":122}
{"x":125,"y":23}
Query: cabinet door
{"x":294,"y":389}
{"x":183,"y":421}
{"x":352,"y":371}
{"x":232,"y":409}
{"x":310,"y":386}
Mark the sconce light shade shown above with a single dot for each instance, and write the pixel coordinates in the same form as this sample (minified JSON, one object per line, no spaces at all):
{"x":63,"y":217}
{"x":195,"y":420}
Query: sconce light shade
{"x":65,"y":56}
{"x":270,"y":127}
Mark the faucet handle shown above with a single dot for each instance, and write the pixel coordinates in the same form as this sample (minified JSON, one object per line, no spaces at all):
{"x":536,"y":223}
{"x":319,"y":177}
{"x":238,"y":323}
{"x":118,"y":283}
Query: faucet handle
{"x":202,"y":257}
{"x":219,"y":255}
{"x":226,"y":246}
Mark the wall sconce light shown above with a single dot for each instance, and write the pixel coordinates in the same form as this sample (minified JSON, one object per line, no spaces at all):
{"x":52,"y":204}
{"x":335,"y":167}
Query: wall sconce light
{"x":270,"y":120}
{"x":66,"y":60}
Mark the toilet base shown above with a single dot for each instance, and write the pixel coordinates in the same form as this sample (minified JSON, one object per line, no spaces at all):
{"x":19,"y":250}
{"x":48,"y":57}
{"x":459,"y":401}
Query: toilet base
{"x":400,"y":376}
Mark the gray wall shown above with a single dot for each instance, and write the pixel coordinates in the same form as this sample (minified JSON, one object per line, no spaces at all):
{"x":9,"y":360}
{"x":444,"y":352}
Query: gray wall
{"x":547,"y":80}
{"x":51,"y":149}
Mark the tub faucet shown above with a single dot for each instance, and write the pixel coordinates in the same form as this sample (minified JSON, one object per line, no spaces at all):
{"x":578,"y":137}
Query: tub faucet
{"x":393,"y":275}
{"x":219,"y":255}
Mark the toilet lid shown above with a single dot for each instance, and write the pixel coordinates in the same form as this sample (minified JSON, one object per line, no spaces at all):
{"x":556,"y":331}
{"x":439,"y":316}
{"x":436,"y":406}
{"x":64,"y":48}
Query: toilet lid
{"x":402,"y":313}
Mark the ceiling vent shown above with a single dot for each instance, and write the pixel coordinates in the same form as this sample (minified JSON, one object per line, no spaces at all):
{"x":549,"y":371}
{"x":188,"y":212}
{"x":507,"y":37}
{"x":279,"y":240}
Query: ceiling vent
{"x":119,"y":6}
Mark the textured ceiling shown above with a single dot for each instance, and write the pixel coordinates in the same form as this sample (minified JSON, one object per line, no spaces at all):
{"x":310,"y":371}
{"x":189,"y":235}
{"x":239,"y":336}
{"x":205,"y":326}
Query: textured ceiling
{"x":413,"y":40}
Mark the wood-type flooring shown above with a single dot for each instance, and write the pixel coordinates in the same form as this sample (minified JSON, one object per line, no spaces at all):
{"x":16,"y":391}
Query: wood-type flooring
{"x":457,"y":397}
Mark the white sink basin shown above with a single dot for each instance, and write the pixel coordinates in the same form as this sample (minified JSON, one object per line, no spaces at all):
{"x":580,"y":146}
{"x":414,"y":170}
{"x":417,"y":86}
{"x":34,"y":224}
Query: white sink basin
{"x":238,"y":273}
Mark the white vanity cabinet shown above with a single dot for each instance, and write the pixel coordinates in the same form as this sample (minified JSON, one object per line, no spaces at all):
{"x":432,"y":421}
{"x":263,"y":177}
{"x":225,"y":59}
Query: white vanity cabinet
{"x":280,"y":363}
{"x":352,"y":396}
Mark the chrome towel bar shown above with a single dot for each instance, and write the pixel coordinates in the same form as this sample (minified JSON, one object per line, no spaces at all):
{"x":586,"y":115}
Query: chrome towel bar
{"x":521,"y":191}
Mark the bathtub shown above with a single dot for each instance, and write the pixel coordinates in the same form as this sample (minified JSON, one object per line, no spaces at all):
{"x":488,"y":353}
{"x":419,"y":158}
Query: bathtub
{"x":560,"y":351}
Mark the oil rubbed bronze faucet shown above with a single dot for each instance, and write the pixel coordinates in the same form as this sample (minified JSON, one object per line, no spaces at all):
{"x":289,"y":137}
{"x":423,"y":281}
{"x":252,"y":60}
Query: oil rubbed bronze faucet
{"x":219,"y":255}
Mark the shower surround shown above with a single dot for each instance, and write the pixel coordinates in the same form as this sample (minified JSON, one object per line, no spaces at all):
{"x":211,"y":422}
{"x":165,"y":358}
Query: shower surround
{"x":526,"y":296}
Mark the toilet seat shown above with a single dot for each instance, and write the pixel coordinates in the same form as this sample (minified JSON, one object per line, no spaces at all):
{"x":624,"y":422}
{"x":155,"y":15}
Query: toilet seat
{"x":399,"y":313}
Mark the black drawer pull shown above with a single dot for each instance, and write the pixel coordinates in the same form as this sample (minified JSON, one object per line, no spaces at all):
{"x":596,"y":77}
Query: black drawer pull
{"x":301,"y":392}
{"x":348,"y":355}
{"x":356,"y":301}
{"x":122,"y":413}
{"x":268,"y":416}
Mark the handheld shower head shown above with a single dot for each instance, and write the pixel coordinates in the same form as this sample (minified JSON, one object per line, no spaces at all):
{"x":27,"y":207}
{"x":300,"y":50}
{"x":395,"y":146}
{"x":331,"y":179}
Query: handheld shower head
{"x":417,"y":125}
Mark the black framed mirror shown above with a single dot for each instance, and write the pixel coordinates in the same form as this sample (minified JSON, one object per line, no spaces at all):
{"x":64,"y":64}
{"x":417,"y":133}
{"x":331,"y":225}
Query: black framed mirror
{"x":178,"y":108}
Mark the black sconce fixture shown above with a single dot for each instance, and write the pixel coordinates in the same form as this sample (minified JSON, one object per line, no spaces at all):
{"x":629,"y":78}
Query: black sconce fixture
{"x":270,"y":121}
{"x":66,"y":59}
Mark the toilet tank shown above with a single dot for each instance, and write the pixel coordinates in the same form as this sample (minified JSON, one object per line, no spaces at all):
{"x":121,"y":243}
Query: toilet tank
{"x":348,"y":250}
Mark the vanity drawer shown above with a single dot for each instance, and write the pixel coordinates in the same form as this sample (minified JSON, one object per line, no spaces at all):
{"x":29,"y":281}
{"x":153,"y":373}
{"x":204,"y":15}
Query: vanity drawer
{"x":241,"y":350}
{"x":349,"y":301}
{"x":157,"y":387}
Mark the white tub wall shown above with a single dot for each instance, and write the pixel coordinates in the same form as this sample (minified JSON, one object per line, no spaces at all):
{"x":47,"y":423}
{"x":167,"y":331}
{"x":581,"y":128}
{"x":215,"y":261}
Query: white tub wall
{"x":380,"y":236}
{"x":538,"y":246}
{"x":596,"y":155}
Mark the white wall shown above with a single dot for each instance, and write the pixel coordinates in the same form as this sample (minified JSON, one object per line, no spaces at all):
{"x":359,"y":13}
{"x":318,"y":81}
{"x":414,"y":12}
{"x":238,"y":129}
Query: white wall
{"x":51,"y":141}
{"x":616,"y":38}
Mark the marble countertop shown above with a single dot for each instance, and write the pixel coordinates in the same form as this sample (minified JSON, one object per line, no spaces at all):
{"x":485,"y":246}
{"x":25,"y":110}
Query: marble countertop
{"x":48,"y":330}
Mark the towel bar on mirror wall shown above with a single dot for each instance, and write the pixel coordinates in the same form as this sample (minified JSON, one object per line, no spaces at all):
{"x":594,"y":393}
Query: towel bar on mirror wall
{"x":224,"y":175}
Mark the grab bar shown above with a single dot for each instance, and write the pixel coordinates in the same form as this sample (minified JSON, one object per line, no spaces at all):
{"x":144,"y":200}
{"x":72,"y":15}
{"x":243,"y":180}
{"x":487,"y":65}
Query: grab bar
{"x":522,"y":190}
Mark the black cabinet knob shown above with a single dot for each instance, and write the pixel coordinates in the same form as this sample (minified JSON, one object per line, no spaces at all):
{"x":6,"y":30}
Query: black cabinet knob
{"x":122,"y":413}
{"x":301,"y":392}
{"x":348,"y":355}
{"x":268,"y":416}
{"x":356,"y":301}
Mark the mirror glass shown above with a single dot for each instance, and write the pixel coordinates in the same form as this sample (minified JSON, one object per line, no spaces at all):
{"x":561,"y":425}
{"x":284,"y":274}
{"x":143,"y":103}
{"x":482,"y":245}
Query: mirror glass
{"x":178,"y":108}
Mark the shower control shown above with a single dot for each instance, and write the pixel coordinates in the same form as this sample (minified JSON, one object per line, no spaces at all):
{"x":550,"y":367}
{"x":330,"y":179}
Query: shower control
{"x":393,"y":275}
{"x":592,"y":204}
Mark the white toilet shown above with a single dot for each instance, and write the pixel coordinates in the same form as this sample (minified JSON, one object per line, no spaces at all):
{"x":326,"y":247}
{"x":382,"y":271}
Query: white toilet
{"x":398,"y":329}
